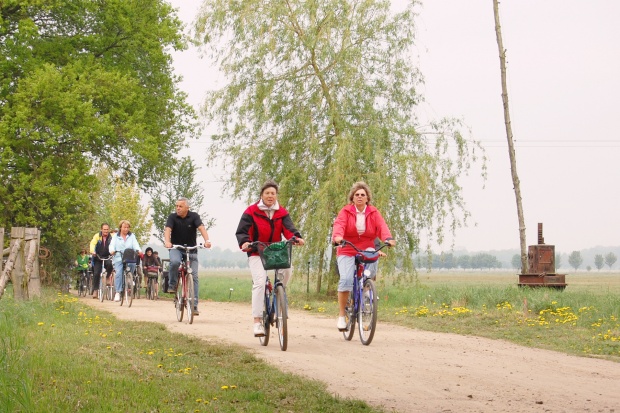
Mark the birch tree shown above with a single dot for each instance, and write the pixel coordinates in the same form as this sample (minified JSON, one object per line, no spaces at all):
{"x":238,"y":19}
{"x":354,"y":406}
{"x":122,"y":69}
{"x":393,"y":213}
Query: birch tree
{"x":319,"y":95}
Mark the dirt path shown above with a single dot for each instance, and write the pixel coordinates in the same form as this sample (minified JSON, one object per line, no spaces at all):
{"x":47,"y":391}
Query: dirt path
{"x":407,"y":370}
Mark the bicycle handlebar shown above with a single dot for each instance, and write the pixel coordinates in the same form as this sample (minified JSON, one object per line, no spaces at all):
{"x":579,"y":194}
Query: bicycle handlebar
{"x":345,"y":242}
{"x":104,"y":259}
{"x":253,"y":244}
{"x":184,"y":247}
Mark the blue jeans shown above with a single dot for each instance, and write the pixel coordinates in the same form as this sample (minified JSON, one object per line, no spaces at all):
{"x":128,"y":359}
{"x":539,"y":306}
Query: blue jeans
{"x":176,"y":256}
{"x":118,"y":279}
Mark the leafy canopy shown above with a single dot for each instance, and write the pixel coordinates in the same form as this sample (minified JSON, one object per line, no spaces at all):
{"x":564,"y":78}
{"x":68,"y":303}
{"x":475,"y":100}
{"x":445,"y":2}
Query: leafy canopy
{"x":321,"y":94}
{"x":83,"y":84}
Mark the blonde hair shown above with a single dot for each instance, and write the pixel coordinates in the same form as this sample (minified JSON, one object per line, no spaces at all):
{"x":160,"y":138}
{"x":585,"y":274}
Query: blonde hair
{"x":124,"y":221}
{"x":357,"y":186}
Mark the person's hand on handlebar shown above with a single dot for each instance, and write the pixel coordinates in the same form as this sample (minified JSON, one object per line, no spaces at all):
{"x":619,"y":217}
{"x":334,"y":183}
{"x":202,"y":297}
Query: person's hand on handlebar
{"x":338,"y":240}
{"x":391,"y":242}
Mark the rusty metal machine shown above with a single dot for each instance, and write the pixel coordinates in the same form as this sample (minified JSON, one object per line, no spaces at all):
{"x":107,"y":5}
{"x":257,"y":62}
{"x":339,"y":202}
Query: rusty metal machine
{"x":541,"y":266}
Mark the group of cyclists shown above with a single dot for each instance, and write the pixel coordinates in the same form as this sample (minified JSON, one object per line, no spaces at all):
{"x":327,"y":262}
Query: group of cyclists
{"x":266,"y":221}
{"x":106,"y":252}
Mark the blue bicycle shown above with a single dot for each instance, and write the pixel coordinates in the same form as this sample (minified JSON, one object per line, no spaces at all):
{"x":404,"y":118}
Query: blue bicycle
{"x":275,"y":256}
{"x":362,"y":303}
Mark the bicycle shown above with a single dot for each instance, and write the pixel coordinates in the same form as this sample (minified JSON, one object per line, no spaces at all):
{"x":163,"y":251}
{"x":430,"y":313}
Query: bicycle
{"x":84,"y":283}
{"x":151,"y":283}
{"x":184,"y":297}
{"x":135,"y":290}
{"x":275,"y":256}
{"x":363,"y":311}
{"x":106,"y":287}
{"x":130,"y":256}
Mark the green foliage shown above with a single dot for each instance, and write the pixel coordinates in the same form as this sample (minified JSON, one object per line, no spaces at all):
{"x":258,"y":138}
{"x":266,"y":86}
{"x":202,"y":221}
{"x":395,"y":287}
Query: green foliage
{"x":575,"y":260}
{"x":322,"y":94}
{"x":84,"y":84}
{"x":516,"y":261}
{"x":180,"y":182}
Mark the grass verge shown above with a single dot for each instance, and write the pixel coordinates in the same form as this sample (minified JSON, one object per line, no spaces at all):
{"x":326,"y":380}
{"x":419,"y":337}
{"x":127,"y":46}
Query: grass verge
{"x":57,"y":355}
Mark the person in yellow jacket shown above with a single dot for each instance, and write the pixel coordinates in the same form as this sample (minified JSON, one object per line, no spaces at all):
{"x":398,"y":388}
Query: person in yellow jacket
{"x":100,"y":248}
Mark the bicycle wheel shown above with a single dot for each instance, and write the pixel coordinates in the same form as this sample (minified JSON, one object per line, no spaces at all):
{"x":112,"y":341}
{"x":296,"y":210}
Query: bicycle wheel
{"x":178,"y":300}
{"x":189,"y":298}
{"x":367,"y":315}
{"x":349,"y":316}
{"x":129,"y":288}
{"x":102,"y":286}
{"x":136,"y":287}
{"x":282,"y":315}
{"x":266,"y":316}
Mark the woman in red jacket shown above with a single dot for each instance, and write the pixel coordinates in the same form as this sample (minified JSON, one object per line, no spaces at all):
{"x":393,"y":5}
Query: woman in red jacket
{"x":264,"y":221}
{"x":361,"y":224}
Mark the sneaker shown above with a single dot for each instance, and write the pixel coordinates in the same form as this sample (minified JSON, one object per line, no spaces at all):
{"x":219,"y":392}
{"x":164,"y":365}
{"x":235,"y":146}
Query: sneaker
{"x":172,"y":290}
{"x":117,"y":297}
{"x":259,"y":330}
{"x":342,"y":323}
{"x":196,"y":312}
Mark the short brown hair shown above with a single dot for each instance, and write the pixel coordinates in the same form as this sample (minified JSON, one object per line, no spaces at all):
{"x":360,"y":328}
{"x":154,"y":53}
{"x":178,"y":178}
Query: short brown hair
{"x":269,"y":184}
{"x":360,"y":185}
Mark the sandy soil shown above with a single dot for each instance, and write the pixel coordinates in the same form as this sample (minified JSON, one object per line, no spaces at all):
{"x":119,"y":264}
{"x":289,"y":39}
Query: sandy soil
{"x":407,"y":370}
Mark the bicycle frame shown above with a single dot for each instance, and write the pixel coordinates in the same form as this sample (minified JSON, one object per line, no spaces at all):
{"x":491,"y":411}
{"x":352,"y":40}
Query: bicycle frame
{"x":105,"y":291}
{"x":275,"y":307}
{"x":184,"y":299}
{"x":361,"y":306}
{"x":275,"y":311}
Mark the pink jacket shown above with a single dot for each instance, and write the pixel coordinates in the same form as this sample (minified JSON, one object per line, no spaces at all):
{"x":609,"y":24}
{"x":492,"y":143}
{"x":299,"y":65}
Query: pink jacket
{"x":344,"y":226}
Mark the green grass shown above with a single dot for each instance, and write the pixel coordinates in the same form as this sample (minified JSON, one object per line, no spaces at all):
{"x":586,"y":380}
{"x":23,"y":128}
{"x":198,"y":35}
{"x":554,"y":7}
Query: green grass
{"x":58,"y":355}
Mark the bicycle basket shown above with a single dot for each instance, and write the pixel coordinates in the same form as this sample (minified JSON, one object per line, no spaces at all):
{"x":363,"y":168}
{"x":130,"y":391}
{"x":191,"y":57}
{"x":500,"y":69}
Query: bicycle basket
{"x":275,"y":256}
{"x":130,"y":256}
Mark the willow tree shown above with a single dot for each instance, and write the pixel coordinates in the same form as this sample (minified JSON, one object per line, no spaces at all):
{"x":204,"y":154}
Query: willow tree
{"x":320,"y":94}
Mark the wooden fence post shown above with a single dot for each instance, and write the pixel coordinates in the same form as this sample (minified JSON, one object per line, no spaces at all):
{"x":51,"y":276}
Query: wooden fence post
{"x":31,"y":253}
{"x":3,"y":278}
{"x":20,"y":281}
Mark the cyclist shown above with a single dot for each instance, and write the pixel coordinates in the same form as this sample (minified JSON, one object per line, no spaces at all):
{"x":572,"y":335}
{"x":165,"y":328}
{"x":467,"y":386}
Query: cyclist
{"x":359,"y":223}
{"x":122,"y":240}
{"x":82,"y":262}
{"x":100,"y":245}
{"x":181,"y":229}
{"x":266,"y":221}
{"x":150,"y":266}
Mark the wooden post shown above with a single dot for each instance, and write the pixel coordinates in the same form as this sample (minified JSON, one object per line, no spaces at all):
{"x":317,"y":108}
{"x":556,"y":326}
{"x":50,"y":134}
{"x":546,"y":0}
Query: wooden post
{"x":32,"y":261}
{"x":20,"y":281}
{"x":3,"y":278}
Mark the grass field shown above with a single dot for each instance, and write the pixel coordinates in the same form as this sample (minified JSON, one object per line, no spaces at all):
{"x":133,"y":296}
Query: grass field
{"x":57,"y":355}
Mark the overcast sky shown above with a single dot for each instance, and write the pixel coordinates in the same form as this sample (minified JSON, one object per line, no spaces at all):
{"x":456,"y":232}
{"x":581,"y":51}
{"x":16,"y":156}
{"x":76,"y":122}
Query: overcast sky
{"x":563,"y":87}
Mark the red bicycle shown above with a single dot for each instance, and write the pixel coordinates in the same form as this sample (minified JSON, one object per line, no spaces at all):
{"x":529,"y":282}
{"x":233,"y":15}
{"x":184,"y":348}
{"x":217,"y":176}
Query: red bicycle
{"x":184,"y":299}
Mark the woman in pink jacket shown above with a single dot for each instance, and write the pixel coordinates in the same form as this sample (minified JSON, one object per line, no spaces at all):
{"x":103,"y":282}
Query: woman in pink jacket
{"x":361,"y":224}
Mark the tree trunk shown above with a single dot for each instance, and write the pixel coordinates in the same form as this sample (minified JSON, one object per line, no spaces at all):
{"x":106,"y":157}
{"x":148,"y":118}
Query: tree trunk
{"x":511,"y":149}
{"x":320,"y":274}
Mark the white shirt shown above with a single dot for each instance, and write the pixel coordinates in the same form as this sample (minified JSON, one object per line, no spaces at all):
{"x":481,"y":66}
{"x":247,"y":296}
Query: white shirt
{"x":360,"y":220}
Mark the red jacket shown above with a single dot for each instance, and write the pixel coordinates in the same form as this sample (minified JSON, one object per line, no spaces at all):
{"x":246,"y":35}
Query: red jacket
{"x":255,"y":225}
{"x":344,"y":226}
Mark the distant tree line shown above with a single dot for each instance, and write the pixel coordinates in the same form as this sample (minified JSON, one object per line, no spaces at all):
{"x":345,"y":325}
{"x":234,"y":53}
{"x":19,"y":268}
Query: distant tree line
{"x":449,"y":261}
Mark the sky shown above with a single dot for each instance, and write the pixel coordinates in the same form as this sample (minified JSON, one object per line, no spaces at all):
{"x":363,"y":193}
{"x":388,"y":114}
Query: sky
{"x":563,"y":66}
